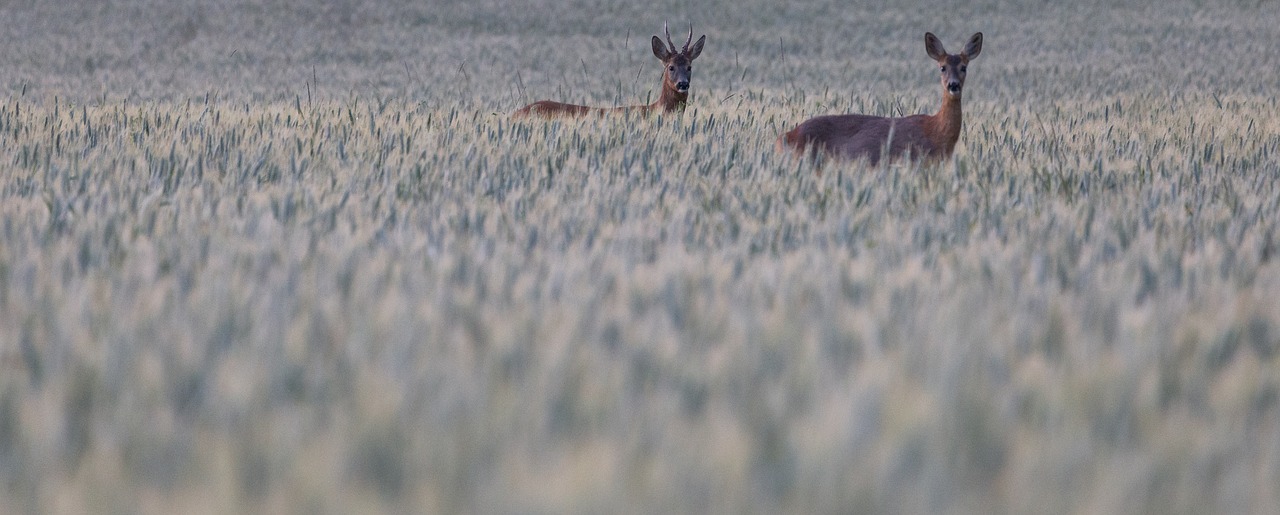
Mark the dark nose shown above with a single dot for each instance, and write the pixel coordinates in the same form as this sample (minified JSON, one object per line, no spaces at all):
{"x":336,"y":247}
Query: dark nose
{"x":682,"y":85}
{"x":953,"y":87}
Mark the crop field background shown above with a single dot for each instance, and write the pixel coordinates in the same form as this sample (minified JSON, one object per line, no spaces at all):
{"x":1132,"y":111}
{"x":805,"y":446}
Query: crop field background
{"x":293,"y":257}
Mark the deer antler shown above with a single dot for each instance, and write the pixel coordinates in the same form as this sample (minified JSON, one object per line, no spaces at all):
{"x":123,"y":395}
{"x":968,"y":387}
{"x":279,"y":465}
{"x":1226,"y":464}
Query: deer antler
{"x":668,"y":33}
{"x":690,"y":40}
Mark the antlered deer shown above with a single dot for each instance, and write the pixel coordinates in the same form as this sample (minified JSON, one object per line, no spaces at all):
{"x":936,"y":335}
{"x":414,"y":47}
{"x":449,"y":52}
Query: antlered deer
{"x":854,"y":136}
{"x":675,"y":83}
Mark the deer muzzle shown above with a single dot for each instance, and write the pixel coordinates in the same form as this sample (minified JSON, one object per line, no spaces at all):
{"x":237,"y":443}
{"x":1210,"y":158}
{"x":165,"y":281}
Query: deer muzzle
{"x":682,"y":86}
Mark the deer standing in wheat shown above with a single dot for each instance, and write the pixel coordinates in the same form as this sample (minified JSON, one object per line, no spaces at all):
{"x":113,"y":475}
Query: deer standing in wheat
{"x":855,"y":136}
{"x":678,"y":71}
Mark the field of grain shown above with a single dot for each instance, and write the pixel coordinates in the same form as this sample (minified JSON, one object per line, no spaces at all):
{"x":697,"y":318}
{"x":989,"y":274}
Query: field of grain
{"x":293,"y":257}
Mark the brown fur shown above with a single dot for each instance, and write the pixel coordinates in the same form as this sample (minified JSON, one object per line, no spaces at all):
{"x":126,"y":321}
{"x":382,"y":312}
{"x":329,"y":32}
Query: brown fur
{"x":670,"y":100}
{"x":857,"y":136}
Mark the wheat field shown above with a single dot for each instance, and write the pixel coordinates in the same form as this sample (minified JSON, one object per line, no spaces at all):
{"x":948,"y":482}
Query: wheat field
{"x":294,"y":257}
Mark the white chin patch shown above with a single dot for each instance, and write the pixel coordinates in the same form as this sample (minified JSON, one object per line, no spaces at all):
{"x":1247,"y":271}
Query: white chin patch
{"x":682,"y":90}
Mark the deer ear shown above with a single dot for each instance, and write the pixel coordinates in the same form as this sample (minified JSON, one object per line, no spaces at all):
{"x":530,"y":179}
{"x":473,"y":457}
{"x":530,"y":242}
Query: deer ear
{"x":660,"y":49}
{"x":974,"y":47}
{"x":696,"y":49}
{"x":934,"y":47}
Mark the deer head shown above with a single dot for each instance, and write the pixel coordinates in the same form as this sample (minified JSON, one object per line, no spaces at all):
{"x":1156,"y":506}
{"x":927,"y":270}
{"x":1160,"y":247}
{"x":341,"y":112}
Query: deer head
{"x":678,"y":63}
{"x":953,"y":66}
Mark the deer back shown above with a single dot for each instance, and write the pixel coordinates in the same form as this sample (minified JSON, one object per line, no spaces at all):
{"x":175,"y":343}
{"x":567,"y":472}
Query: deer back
{"x":550,"y":108}
{"x":854,"y":136}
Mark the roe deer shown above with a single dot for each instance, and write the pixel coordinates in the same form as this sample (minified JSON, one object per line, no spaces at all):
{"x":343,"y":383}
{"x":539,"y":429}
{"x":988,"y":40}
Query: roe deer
{"x":853,"y":136}
{"x":675,"y":83}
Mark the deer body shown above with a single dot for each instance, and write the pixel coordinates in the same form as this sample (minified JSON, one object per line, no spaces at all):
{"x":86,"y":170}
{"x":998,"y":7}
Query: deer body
{"x":678,"y":64}
{"x":855,"y":136}
{"x":671,"y":100}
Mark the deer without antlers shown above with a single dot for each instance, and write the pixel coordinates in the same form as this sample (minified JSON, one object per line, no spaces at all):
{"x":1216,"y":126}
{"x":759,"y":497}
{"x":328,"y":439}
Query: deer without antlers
{"x":854,"y":136}
{"x":675,"y":83}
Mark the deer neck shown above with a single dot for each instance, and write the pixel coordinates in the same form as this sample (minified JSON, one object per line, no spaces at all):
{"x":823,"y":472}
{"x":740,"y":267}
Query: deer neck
{"x":943,"y":127}
{"x":671,"y":100}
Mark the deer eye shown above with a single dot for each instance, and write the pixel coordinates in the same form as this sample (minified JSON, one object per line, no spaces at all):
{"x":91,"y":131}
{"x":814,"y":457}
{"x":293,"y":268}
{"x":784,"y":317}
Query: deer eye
{"x":964,"y":68}
{"x":671,"y":68}
{"x":944,"y":68}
